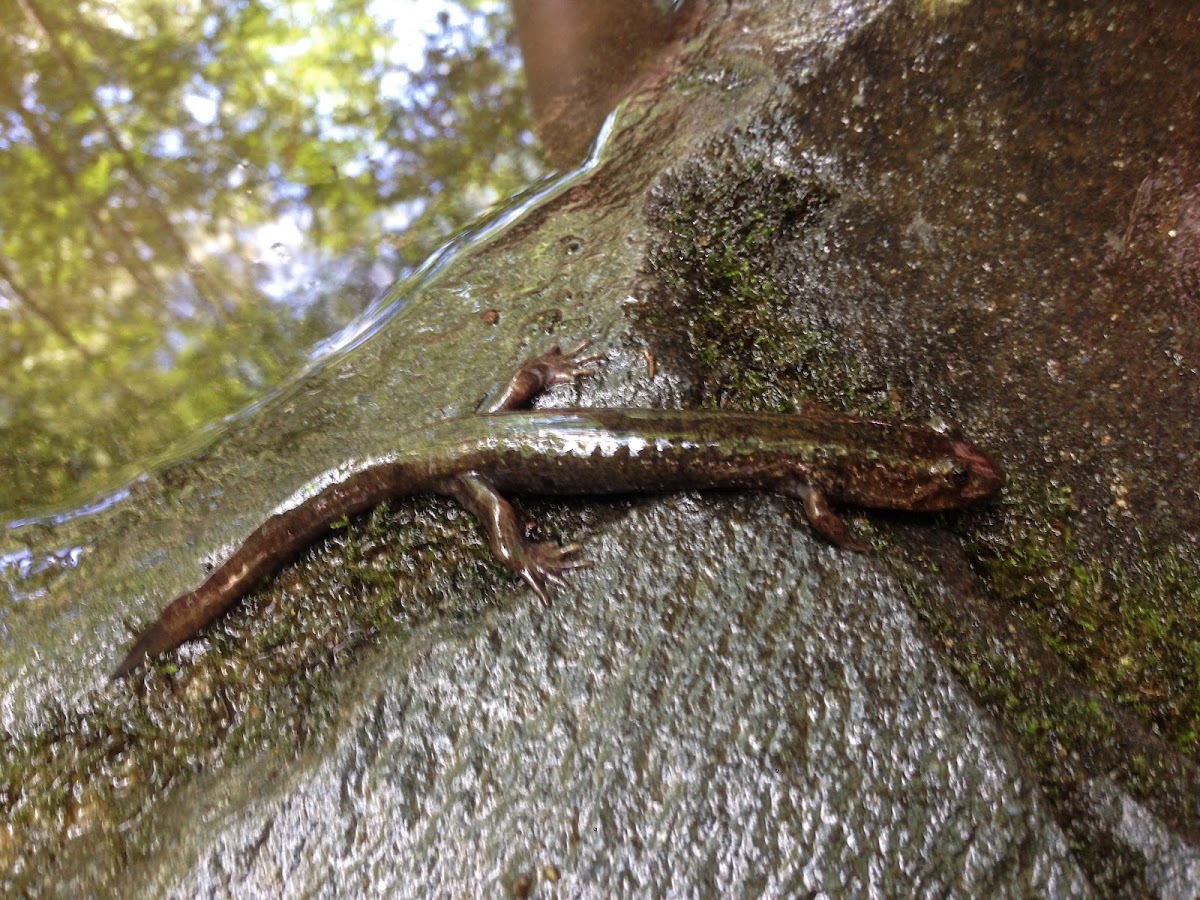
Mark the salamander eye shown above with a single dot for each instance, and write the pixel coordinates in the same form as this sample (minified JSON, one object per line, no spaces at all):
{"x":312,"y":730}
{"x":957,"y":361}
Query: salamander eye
{"x":945,"y":427}
{"x":954,"y":470}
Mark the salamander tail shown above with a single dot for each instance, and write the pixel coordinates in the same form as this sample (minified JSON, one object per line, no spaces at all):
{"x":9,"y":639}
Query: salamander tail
{"x":153,"y":640}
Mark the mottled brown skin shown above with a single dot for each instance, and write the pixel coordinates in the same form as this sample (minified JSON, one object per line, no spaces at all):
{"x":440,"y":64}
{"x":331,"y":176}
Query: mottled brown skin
{"x":820,"y":457}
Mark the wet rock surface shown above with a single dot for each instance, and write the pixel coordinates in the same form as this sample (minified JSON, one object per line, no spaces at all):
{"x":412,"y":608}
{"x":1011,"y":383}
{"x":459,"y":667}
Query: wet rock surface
{"x":789,"y":755}
{"x":986,"y":212}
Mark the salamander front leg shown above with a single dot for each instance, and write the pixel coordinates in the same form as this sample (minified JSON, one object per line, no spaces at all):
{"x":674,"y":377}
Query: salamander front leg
{"x":536,"y":563}
{"x":827,"y":522}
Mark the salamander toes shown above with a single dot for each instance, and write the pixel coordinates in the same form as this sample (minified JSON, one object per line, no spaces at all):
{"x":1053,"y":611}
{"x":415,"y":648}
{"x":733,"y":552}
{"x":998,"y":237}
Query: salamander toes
{"x":566,"y":368}
{"x":546,"y":562}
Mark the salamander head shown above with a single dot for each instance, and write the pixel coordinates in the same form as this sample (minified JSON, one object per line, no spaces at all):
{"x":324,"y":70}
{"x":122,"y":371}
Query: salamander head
{"x":956,"y":475}
{"x":962,"y":476}
{"x":984,"y":477}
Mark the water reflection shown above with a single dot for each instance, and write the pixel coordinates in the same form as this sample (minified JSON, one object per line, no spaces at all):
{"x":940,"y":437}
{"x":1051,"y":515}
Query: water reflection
{"x":197,"y":200}
{"x":193,"y":197}
{"x":580,"y":60}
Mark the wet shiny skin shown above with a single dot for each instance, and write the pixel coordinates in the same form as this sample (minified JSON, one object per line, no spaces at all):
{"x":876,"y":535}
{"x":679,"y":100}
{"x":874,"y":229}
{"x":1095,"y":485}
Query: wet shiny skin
{"x":819,"y":456}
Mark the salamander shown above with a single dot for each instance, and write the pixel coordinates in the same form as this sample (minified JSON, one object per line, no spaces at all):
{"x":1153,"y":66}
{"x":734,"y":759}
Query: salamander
{"x":819,"y":456}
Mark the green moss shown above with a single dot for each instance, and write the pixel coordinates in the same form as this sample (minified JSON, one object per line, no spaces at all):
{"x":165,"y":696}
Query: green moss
{"x":1133,"y":634}
{"x":1065,"y":736}
{"x":726,"y":246}
{"x":1061,"y":646}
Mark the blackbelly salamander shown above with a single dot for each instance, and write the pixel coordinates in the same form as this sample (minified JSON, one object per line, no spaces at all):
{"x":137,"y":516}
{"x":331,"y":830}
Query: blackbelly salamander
{"x":820,"y":457}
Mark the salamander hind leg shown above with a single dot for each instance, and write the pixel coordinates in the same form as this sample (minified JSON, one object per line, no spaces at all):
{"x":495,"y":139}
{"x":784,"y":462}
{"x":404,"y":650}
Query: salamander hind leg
{"x":537,"y":563}
{"x":827,"y":522}
{"x":545,"y":562}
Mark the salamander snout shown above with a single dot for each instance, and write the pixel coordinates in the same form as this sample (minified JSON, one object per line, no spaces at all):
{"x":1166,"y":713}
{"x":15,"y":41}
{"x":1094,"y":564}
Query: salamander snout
{"x":975,"y":474}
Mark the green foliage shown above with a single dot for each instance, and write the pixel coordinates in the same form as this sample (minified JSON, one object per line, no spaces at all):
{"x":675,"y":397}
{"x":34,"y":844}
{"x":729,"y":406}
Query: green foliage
{"x":150,"y":154}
